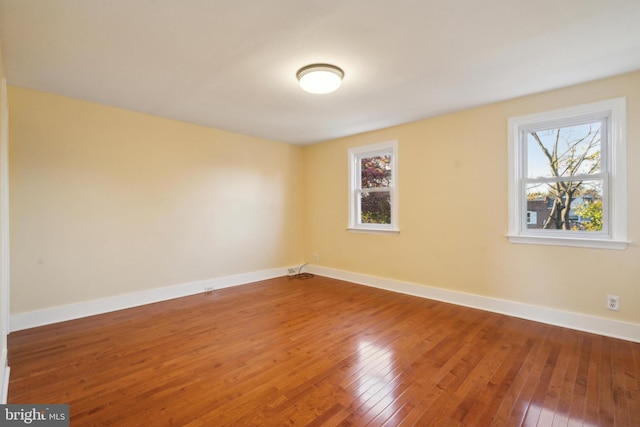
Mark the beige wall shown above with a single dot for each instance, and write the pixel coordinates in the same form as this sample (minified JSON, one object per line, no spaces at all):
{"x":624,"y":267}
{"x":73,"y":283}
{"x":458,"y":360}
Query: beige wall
{"x":454,"y":213}
{"x":107,"y":202}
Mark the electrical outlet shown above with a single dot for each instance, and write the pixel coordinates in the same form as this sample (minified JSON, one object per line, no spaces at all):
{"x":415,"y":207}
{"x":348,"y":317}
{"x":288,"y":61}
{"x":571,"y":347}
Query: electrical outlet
{"x":291,"y":271}
{"x":613,"y":302}
{"x":315,"y":257}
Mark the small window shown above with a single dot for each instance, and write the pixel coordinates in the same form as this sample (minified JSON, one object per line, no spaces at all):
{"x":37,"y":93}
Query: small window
{"x":532,"y":217}
{"x":373,"y":182}
{"x":568,"y":176}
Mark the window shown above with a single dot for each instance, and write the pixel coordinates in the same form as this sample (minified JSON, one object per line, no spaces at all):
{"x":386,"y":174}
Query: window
{"x":568,"y":176}
{"x":373,"y":186}
{"x":532,"y":217}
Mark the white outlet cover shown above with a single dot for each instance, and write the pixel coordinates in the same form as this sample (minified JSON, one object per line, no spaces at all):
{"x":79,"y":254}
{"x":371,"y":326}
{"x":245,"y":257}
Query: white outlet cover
{"x":613,"y":302}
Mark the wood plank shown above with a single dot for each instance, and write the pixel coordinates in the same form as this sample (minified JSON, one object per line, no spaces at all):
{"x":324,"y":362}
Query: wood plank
{"x":323,"y":352}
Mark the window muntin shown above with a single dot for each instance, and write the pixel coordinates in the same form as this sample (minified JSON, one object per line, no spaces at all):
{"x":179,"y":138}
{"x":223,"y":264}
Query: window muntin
{"x":373,"y":187}
{"x":568,"y":171}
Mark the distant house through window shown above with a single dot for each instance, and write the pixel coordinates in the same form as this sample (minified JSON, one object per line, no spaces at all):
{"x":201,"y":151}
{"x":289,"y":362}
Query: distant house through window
{"x":373,"y":182}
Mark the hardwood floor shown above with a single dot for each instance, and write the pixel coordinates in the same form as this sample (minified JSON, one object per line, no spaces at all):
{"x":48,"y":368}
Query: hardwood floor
{"x":323,"y":352}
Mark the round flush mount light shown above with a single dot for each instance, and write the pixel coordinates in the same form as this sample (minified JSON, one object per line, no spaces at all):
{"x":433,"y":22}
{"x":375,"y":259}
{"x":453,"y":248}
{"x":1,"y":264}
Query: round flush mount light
{"x":320,"y":78}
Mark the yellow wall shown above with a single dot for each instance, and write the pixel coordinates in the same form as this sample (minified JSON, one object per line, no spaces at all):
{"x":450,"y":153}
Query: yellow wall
{"x":454,"y":213}
{"x":106,"y":201}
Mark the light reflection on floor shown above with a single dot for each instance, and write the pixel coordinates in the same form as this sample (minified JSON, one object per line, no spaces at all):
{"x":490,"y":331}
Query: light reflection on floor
{"x":550,"y":416}
{"x":377,"y":381}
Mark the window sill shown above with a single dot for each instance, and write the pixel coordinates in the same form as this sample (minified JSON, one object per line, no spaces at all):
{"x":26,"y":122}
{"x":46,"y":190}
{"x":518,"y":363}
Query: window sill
{"x":570,"y":241}
{"x":373,"y":230}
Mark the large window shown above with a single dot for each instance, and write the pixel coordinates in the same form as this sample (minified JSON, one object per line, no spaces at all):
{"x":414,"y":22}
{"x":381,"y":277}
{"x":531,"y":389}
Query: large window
{"x":568,"y":176}
{"x":373,"y":182}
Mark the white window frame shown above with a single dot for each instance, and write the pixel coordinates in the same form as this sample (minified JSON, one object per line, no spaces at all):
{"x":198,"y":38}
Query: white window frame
{"x":614,"y":174}
{"x":354,"y":156}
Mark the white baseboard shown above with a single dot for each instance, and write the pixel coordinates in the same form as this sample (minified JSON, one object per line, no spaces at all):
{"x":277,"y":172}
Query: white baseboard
{"x":577,"y":321}
{"x":581,"y":322}
{"x":57,"y":314}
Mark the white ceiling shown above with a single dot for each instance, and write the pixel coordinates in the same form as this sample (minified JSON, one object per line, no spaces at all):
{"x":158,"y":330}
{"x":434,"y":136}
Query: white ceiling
{"x":231,"y":64}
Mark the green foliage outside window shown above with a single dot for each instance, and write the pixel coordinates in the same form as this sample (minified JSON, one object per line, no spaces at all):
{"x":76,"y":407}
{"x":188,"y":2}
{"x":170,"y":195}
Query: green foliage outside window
{"x":375,"y":205}
{"x":592,"y":214}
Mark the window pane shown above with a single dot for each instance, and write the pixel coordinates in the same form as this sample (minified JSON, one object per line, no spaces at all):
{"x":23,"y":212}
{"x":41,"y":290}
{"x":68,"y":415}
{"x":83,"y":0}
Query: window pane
{"x":565,"y":205}
{"x":375,"y":171}
{"x":375,"y":207}
{"x":564,"y":151}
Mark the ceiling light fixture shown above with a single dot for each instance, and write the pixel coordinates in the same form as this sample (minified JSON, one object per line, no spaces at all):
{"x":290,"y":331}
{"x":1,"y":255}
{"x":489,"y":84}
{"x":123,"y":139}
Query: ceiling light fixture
{"x":320,"y":78}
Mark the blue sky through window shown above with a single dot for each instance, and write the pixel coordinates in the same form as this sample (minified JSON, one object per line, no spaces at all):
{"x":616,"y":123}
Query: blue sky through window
{"x":572,"y":143}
